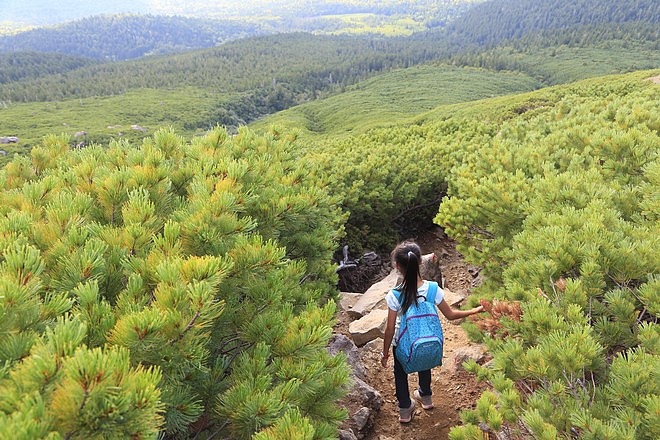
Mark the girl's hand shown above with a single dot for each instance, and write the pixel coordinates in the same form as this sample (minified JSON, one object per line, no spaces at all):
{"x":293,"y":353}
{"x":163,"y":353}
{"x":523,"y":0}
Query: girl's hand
{"x":383,"y":358}
{"x":478,"y":309}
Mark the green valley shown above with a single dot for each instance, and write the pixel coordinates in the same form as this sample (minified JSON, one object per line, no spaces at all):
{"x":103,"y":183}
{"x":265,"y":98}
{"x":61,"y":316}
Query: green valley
{"x":395,"y":97}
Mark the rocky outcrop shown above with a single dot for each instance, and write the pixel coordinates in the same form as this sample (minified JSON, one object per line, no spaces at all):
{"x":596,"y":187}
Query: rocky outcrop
{"x":362,"y":401}
{"x":340,"y":343}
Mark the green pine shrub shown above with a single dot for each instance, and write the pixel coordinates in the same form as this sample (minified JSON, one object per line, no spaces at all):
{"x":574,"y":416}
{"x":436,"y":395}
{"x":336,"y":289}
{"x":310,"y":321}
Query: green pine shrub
{"x":172,"y":287}
{"x":558,"y":208}
{"x":554,"y":194}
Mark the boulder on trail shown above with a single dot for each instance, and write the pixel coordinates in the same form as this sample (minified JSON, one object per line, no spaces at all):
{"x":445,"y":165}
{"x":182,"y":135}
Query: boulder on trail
{"x":454,"y":298}
{"x":476,"y":352}
{"x":347,"y":300}
{"x":374,"y":297}
{"x":369,"y":327}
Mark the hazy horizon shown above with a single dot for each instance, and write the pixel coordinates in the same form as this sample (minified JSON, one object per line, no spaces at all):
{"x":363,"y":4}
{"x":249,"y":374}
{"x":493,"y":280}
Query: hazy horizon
{"x":47,"y":12}
{"x":43,"y":12}
{"x":14,"y":13}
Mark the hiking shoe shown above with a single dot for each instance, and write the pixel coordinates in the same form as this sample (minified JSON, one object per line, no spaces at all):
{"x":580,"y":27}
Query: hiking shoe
{"x":406,"y":414}
{"x":426,"y":401}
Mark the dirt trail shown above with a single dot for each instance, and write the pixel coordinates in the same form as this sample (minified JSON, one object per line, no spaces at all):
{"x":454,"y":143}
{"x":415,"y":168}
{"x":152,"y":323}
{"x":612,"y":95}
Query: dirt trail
{"x":453,"y":391}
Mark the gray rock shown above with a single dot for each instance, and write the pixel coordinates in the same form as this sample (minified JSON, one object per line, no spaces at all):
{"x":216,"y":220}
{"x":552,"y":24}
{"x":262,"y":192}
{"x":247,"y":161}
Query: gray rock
{"x":430,"y":270}
{"x":368,"y":395}
{"x":454,"y":298}
{"x":462,"y":354}
{"x":347,"y":434}
{"x":9,"y":140}
{"x":361,"y":418}
{"x":341,"y":343}
{"x":376,"y":345}
{"x":368,"y":402}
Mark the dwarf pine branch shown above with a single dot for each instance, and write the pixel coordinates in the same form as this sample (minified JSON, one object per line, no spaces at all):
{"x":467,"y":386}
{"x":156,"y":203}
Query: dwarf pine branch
{"x":132,"y":262}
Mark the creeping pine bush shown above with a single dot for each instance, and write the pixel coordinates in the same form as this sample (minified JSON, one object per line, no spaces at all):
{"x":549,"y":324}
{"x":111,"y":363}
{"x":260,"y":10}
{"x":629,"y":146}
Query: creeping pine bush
{"x":558,"y":207}
{"x":167,"y":288}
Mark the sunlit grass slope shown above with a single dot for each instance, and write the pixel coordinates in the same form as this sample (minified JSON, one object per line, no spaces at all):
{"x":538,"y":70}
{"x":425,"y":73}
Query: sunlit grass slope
{"x":393,"y":97}
{"x":112,"y":117}
{"x":563,"y":64}
{"x":380,"y":101}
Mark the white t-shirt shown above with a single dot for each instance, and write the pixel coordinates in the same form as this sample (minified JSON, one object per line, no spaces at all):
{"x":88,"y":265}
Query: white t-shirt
{"x":393,"y":304}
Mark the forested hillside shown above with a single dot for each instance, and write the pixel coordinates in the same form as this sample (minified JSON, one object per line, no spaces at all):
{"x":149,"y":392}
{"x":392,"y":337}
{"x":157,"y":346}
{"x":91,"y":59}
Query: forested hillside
{"x":125,"y":37}
{"x":491,"y":22}
{"x":31,"y":65}
{"x":312,"y":63}
{"x":394,"y":97}
{"x":241,"y":81}
{"x":561,"y":56}
{"x":229,"y":85}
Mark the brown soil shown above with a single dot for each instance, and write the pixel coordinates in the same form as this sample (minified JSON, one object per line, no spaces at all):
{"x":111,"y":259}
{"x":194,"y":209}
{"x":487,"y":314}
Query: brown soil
{"x":453,"y":391}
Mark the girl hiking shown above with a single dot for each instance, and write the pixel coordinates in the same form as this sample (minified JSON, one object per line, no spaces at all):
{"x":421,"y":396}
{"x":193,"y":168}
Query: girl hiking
{"x":406,"y":258}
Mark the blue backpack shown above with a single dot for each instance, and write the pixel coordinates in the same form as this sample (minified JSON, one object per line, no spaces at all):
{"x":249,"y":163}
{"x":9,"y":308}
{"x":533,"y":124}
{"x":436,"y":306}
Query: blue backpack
{"x":420,"y":334}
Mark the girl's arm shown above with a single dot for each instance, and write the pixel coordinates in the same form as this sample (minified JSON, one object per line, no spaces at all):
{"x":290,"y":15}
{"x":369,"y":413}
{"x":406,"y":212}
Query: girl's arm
{"x":389,"y":335}
{"x":451,"y":313}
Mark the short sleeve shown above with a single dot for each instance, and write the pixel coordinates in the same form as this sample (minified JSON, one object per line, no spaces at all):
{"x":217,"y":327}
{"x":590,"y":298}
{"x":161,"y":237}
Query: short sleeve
{"x":392,"y":302}
{"x":424,"y":290}
{"x":439,"y":296}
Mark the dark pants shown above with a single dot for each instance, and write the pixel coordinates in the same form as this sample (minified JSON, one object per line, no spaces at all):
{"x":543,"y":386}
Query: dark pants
{"x":401,"y":383}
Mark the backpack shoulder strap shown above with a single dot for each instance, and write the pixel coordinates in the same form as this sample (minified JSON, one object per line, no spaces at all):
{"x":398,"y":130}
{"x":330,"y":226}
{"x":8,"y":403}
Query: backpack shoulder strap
{"x":433,"y":289}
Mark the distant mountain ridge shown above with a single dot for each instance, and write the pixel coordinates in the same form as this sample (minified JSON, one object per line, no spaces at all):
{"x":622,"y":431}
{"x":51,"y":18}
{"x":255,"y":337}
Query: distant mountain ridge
{"x":493,"y":21}
{"x":125,"y":37}
{"x":44,"y":12}
{"x":48,"y":12}
{"x":456,"y":26}
{"x":171,"y":27}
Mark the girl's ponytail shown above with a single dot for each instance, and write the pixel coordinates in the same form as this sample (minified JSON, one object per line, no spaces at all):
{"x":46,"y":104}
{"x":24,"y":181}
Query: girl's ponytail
{"x":408,"y":256}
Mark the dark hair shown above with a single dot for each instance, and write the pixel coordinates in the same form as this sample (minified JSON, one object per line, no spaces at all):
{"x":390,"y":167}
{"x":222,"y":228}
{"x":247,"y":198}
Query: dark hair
{"x":407,"y":255}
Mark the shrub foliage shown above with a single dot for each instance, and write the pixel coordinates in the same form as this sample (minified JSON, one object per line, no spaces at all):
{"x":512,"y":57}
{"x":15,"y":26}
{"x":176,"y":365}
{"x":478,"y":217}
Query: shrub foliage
{"x":554,"y":194}
{"x":559,"y":204}
{"x":169,"y":286}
